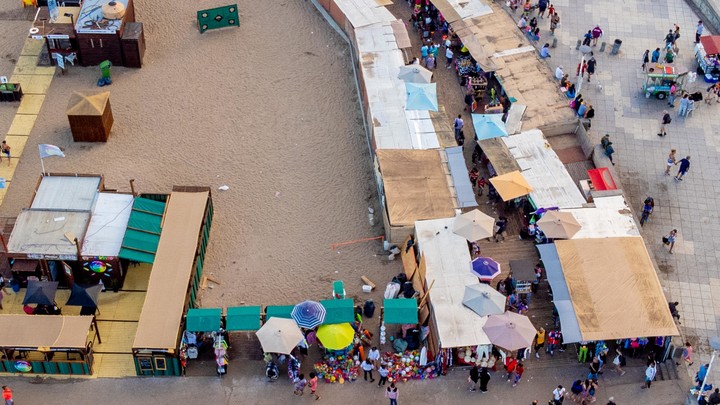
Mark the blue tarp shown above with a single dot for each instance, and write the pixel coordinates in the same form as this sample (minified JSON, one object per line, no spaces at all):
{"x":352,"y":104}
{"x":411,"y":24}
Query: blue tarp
{"x":421,"y":96}
{"x":459,"y":173}
{"x":488,"y":126}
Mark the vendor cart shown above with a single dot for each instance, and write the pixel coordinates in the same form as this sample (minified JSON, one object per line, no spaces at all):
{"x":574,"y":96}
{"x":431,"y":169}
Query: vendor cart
{"x":659,"y":80}
{"x":707,"y":53}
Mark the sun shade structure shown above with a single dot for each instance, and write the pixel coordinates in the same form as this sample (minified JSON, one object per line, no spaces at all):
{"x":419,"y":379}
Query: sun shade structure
{"x":711,"y":43}
{"x":90,"y":116}
{"x":203,"y":319}
{"x":279,"y":311}
{"x":415,"y":74}
{"x":336,"y":336}
{"x":84,"y":296}
{"x":143,"y":230}
{"x":243,"y":318}
{"x":485,"y":268}
{"x":309,"y":314}
{"x":400,"y":310}
{"x":474,"y":225}
{"x":484,"y":300}
{"x":510,"y":331}
{"x":511,"y":185}
{"x":488,"y":126}
{"x":338,"y":311}
{"x":44,"y":331}
{"x":559,"y":225}
{"x":41,"y":292}
{"x":613,"y":287}
{"x":421,"y":96}
{"x":279,"y":335}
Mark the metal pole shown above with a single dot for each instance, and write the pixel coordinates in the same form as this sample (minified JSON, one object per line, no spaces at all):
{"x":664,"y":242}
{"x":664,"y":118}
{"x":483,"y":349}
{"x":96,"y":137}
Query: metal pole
{"x":707,"y":374}
{"x":43,"y":166}
{"x":580,"y":75}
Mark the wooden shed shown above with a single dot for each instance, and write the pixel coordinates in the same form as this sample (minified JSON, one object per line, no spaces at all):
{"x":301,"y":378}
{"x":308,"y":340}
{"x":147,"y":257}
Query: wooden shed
{"x":90,"y":116}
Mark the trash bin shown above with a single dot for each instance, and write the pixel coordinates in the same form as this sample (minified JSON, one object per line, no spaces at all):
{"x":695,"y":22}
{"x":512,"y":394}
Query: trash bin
{"x":616,"y":47}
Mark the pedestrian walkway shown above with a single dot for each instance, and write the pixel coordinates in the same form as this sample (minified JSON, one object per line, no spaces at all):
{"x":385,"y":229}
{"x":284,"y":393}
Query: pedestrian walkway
{"x":690,"y":275}
{"x":35,"y":82}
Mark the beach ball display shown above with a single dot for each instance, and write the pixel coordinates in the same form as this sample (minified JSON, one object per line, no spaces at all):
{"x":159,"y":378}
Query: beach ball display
{"x":23,"y":366}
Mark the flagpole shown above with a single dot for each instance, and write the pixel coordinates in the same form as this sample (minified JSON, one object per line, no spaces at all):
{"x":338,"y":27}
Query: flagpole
{"x":42,"y":163}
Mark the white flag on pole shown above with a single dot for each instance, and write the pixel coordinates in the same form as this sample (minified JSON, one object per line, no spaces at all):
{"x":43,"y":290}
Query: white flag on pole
{"x":47,"y":150}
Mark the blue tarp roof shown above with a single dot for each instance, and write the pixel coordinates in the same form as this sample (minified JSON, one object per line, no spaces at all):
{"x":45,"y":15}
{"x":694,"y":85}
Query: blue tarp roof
{"x":458,"y":170}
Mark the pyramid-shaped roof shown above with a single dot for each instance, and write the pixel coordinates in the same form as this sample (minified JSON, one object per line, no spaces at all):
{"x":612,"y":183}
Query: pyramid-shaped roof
{"x":87,"y":104}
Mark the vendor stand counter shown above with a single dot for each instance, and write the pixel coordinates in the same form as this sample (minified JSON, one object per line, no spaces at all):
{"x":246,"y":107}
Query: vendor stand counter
{"x":707,"y":53}
{"x":46,"y":344}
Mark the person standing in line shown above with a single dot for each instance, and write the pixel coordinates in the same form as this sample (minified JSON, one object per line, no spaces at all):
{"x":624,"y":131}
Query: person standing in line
{"x":458,"y":125}
{"x":474,"y":377}
{"x":519,"y":369}
{"x":670,"y":239}
{"x":554,"y":21}
{"x":670,"y":161}
{"x":313,"y":385}
{"x":645,"y":59}
{"x":649,"y":375}
{"x":664,"y":121}
{"x":687,"y":354}
{"x":684,"y":168}
{"x":367,"y":368}
{"x":300,"y":384}
{"x":392,"y":394}
{"x":5,"y":149}
{"x":383,"y":375}
{"x":699,"y":31}
{"x":558,"y":395}
{"x":7,"y":395}
{"x":484,"y":380}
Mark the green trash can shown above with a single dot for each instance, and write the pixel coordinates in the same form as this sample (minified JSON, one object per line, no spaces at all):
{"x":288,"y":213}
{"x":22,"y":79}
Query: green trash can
{"x":105,"y":68}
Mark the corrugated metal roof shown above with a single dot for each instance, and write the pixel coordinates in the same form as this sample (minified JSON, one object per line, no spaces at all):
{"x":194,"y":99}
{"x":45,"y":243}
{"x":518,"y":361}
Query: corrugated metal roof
{"x":66,"y":193}
{"x":458,"y":170}
{"x":143,"y":231}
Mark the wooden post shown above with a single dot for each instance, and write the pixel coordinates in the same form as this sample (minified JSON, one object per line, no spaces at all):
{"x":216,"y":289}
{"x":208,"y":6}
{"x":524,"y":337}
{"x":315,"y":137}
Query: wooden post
{"x":424,"y":298}
{"x":97,"y":331}
{"x":132,"y":187}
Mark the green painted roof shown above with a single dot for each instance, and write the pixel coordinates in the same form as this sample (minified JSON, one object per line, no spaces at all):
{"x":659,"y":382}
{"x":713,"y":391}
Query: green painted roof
{"x":203,"y":319}
{"x":280,"y":311}
{"x":143,"y":232}
{"x":243,"y":318}
{"x":400,"y":310}
{"x":339,"y":311}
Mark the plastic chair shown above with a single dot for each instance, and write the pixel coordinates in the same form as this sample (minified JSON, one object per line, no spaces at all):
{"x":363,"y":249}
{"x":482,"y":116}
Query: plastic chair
{"x":338,"y":290}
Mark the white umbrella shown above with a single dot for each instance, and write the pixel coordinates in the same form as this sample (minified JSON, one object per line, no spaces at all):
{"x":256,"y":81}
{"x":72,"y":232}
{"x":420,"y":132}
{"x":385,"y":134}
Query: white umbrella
{"x":474,"y":225}
{"x":483,"y":299}
{"x":415,"y":74}
{"x":279,"y":335}
{"x":510,"y":331}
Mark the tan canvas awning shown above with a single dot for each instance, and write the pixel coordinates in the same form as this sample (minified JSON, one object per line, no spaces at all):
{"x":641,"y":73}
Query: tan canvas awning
{"x":44,"y":331}
{"x":416,"y":186}
{"x":614,"y":289}
{"x":162,"y":311}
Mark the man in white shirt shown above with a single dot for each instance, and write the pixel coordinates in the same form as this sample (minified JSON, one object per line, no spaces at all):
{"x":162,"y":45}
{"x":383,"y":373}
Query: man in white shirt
{"x":559,"y":395}
{"x":559,"y":72}
{"x":374,"y":356}
{"x":367,"y":368}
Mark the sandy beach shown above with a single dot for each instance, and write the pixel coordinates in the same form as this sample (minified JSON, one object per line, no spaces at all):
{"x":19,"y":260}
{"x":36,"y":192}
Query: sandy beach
{"x":269,"y":109}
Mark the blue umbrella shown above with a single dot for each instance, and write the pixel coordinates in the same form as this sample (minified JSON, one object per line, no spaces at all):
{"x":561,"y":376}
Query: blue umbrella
{"x":488,"y":126}
{"x":485,"y":268}
{"x":308,"y":314}
{"x":421,"y":96}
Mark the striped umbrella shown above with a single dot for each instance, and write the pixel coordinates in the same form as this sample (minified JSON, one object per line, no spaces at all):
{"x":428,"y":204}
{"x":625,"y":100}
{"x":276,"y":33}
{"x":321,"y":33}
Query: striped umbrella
{"x":308,"y":314}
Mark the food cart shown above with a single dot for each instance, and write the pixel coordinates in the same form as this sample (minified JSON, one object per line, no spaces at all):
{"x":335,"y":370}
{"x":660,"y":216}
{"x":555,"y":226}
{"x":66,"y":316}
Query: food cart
{"x":660,"y":78}
{"x":707,"y":53}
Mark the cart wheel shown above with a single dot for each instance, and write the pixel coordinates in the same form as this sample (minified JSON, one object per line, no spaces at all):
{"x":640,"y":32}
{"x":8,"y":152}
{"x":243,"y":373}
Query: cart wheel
{"x":661,"y":96}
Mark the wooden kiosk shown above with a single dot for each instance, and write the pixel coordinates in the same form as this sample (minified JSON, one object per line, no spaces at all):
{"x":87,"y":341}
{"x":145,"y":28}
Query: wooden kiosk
{"x":90,"y":116}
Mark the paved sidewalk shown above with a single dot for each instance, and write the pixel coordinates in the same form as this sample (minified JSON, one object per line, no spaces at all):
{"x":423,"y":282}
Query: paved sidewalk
{"x":690,"y":275}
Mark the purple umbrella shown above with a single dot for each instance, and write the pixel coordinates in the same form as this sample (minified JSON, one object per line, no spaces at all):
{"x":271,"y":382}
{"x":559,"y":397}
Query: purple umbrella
{"x":485,"y":268}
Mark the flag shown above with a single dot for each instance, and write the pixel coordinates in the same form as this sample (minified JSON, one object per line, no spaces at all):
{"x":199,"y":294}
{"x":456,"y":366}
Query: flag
{"x":47,"y":150}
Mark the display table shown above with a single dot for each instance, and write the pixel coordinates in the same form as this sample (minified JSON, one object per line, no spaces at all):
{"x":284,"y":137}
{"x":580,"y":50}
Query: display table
{"x":10,"y":92}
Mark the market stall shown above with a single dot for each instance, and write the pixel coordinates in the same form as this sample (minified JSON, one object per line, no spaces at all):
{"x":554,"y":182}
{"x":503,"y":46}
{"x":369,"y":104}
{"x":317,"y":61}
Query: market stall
{"x":59,"y":34}
{"x":707,"y":53}
{"x":46,"y":344}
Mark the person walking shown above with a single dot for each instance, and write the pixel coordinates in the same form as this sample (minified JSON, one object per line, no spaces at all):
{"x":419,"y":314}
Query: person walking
{"x":312,"y":383}
{"x":587,"y":38}
{"x":597,"y":33}
{"x":670,"y":161}
{"x":458,"y":125}
{"x":510,"y":365}
{"x":645,"y":59}
{"x":484,"y":379}
{"x":591,"y":65}
{"x":655,"y":56}
{"x":669,"y":240}
{"x":500,"y":228}
{"x":558,"y":395}
{"x":5,"y":149}
{"x":392,"y":394}
{"x":664,"y":121}
{"x":474,"y":377}
{"x":448,"y":57}
{"x":7,"y":395}
{"x":699,"y":31}
{"x":687,"y":354}
{"x":554,"y":21}
{"x":650,"y":372}
{"x":619,"y":362}
{"x":374,"y":356}
{"x":367,"y":368}
{"x":539,"y":341}
{"x":684,"y":168}
{"x":383,"y":375}
{"x":542,"y":7}
{"x":300,"y":384}
{"x":519,"y":370}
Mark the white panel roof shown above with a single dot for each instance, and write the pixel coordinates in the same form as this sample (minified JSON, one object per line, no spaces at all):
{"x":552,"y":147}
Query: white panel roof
{"x":108,"y":224}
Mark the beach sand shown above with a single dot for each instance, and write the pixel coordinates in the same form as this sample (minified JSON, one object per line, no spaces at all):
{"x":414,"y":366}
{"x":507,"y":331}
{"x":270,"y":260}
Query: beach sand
{"x":269,"y":109}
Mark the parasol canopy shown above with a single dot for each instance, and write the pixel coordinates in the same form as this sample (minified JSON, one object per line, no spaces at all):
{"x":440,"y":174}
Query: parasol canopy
{"x":711,"y":43}
{"x":279,"y":335}
{"x":556,"y":224}
{"x":421,"y":96}
{"x":474,"y":225}
{"x":510,"y":331}
{"x":308,"y":314}
{"x":415,"y":74}
{"x":40,"y":292}
{"x":84,"y":296}
{"x":483,"y":299}
{"x":485,"y":268}
{"x":488,"y":126}
{"x":336,"y":336}
{"x":511,"y":185}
